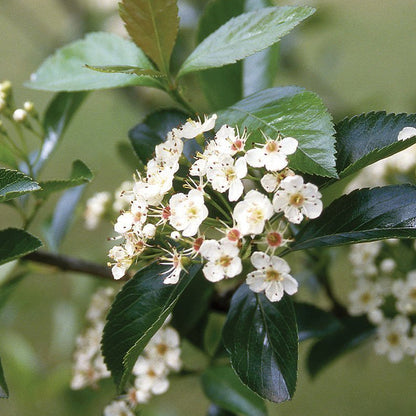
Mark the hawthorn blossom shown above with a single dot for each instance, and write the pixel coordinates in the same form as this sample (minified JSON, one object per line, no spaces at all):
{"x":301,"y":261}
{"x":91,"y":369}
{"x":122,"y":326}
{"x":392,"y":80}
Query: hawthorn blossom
{"x":187,"y":212}
{"x":297,"y":199}
{"x":118,"y":408}
{"x":228,"y":141}
{"x":95,"y":209}
{"x":176,"y":266}
{"x":122,"y":260}
{"x":227,"y":175}
{"x":273,"y":154}
{"x":251,"y":214}
{"x":366,"y":298}
{"x":271,"y":181}
{"x":193,"y":128}
{"x":223,"y":260}
{"x":405,"y":292}
{"x":151,"y":376}
{"x":272,"y":276}
{"x":392,"y":338}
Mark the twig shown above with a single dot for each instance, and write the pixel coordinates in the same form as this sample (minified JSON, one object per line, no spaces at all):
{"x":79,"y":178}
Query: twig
{"x":73,"y":264}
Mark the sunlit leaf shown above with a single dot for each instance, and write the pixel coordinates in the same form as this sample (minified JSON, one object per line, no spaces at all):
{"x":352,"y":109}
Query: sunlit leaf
{"x":294,"y":112}
{"x":65,"y":70}
{"x":262,"y":340}
{"x":243,"y":36}
{"x":14,"y":184}
{"x":15,"y":243}
{"x":153,"y":26}
{"x":363,"y":215}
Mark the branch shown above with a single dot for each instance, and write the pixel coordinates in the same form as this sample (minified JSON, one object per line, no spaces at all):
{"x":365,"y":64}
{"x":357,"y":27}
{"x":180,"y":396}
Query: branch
{"x":72,"y":264}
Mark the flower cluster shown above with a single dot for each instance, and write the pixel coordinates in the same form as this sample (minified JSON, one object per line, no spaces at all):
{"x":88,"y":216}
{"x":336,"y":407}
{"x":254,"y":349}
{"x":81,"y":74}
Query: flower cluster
{"x":239,"y":202}
{"x":387,"y":296}
{"x":150,"y":373}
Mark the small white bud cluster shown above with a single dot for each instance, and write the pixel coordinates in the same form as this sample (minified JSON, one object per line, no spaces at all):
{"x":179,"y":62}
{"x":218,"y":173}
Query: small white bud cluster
{"x":262,"y":197}
{"x":379,"y":281}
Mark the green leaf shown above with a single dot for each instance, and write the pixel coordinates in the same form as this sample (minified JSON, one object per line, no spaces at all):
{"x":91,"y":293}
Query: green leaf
{"x":367,"y":138}
{"x":227,"y":79}
{"x":294,"y":112}
{"x":80,"y":174}
{"x":7,"y":157}
{"x":262,"y":340}
{"x":125,"y":69}
{"x":139,"y":310}
{"x":243,"y":36}
{"x":242,"y":78}
{"x":259,"y":70}
{"x":353,"y":332}
{"x":153,"y":26}
{"x":223,"y":387}
{"x":58,"y":115}
{"x":4,"y":391}
{"x":14,"y":184}
{"x":15,"y":243}
{"x":153,"y":130}
{"x":8,"y":287}
{"x":363,"y":215}
{"x":66,"y":71}
{"x":314,"y":322}
{"x":62,"y":217}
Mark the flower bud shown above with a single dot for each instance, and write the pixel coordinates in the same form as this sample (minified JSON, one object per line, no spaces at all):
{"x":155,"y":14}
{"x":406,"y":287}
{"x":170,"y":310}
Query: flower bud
{"x":28,"y":107}
{"x":5,"y":86}
{"x":19,"y":115}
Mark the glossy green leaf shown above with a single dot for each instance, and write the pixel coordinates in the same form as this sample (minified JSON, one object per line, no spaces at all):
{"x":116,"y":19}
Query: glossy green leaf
{"x":153,"y":130}
{"x":57,"y":118}
{"x":65,"y":70}
{"x":367,"y":138}
{"x":153,"y":26}
{"x":363,"y":215}
{"x":314,"y":322}
{"x":139,"y":310}
{"x":80,"y":174}
{"x":125,"y":69}
{"x":243,"y":36}
{"x":351,"y":334}
{"x":222,"y":386}
{"x":262,"y":341}
{"x":63,"y":217}
{"x":4,"y":391}
{"x":15,"y":243}
{"x":227,"y":79}
{"x":14,"y":184}
{"x":294,"y":112}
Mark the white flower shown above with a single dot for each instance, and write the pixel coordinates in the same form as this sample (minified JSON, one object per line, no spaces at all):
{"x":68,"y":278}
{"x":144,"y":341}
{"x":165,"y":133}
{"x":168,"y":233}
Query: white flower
{"x":122,"y":261}
{"x":362,"y":257}
{"x":271,"y":181}
{"x":118,"y":408}
{"x":170,"y":150}
{"x":176,"y":266}
{"x":95,"y":209}
{"x":193,"y":128}
{"x":150,"y":375}
{"x":228,"y":141}
{"x":405,"y":291}
{"x":297,"y":199}
{"x":392,"y":338}
{"x":273,"y":154}
{"x":365,"y":298}
{"x":406,"y":133}
{"x":223,"y":260}
{"x":123,"y":196}
{"x":187,"y":212}
{"x":164,"y":346}
{"x":227,"y":175}
{"x":252,"y":213}
{"x":99,"y":304}
{"x":272,"y":276}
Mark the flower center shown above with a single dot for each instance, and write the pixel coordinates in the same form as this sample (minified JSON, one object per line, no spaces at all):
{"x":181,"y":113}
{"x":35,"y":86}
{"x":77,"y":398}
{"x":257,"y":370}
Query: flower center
{"x":225,"y":261}
{"x":230,"y":174}
{"x":233,"y":235}
{"x":412,"y":293}
{"x":237,"y":145}
{"x":166,"y":213}
{"x":256,"y":215}
{"x":296,"y":200}
{"x":273,"y":275}
{"x":393,"y":339}
{"x":272,"y":146}
{"x":365,"y":297}
{"x":274,"y":239}
{"x":197,"y":244}
{"x":192,"y":212}
{"x":161,"y":349}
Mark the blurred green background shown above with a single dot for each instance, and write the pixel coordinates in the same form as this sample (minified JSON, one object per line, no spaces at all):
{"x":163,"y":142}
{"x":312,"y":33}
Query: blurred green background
{"x":358,"y":55}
